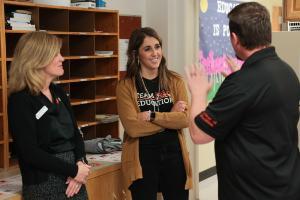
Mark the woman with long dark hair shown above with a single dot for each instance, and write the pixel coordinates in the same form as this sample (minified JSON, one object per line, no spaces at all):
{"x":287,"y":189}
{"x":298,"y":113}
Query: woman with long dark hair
{"x":152,"y":104}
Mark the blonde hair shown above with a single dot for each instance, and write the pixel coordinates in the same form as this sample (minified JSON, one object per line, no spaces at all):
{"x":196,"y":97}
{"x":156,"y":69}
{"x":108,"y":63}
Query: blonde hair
{"x":34,"y":51}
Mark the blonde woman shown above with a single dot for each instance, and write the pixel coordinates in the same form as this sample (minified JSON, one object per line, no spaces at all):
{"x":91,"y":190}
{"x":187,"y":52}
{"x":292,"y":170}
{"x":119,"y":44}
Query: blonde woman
{"x":49,"y":146}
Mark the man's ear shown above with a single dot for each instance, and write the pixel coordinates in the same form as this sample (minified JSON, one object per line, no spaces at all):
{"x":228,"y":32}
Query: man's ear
{"x":235,"y":39}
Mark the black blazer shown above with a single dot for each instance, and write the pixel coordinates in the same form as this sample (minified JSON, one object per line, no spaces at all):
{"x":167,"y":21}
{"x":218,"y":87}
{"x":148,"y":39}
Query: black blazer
{"x":31,"y":142}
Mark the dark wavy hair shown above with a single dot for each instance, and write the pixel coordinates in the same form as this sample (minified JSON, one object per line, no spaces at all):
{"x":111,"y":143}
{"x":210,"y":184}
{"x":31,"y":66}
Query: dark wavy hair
{"x":251,"y":23}
{"x":133,"y":67}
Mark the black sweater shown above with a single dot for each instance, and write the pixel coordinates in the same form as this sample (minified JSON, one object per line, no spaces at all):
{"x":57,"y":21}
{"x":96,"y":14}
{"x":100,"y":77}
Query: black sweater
{"x":32,"y":141}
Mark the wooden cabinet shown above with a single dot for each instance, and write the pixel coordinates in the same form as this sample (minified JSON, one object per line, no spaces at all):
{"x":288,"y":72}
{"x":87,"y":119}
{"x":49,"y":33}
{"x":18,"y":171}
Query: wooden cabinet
{"x":103,"y":183}
{"x":89,"y":80}
{"x":291,"y":10}
{"x":106,"y":184}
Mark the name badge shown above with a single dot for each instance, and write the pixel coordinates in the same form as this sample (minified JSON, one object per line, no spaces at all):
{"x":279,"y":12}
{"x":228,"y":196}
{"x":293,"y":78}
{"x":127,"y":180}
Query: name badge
{"x":41,"y":112}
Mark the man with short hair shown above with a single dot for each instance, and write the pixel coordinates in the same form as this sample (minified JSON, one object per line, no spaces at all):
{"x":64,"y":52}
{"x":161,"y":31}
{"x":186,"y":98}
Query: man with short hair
{"x":253,"y":117}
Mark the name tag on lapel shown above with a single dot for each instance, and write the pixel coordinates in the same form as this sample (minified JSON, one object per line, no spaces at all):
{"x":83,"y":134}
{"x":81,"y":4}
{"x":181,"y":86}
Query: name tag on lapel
{"x":41,"y":112}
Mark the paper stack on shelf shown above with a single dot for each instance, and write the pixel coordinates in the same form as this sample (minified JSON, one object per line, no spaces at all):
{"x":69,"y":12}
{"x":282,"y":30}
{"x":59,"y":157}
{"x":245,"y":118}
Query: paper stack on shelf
{"x":107,"y":118}
{"x":104,"y":53}
{"x":19,"y":20}
{"x":84,"y":3}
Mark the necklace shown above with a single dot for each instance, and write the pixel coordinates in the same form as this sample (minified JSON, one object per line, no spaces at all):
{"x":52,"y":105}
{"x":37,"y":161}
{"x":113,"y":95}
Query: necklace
{"x":153,"y":102}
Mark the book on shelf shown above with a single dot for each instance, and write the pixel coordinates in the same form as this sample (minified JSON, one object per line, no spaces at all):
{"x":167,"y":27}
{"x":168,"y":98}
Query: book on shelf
{"x":20,"y":16}
{"x":18,"y":23}
{"x":19,"y":20}
{"x":24,"y":12}
{"x":13,"y":19}
{"x":20,"y":28}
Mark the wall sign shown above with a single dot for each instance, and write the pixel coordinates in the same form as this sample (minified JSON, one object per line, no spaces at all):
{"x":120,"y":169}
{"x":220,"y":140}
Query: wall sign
{"x":215,"y":43}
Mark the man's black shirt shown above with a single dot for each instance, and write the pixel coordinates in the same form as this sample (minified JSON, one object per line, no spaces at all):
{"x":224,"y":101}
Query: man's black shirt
{"x":253,"y":119}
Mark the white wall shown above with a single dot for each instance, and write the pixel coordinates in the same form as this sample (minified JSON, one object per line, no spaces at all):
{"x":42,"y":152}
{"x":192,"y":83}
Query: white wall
{"x":157,"y":18}
{"x":129,"y":7}
{"x":269,"y":4}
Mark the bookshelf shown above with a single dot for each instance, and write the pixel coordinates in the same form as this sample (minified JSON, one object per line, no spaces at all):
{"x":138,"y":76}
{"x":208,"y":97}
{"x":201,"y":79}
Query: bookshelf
{"x":4,"y":139}
{"x":89,"y":79}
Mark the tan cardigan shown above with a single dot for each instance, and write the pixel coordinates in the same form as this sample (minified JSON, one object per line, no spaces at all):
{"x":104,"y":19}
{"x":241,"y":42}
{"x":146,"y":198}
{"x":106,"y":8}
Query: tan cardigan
{"x":128,"y":110}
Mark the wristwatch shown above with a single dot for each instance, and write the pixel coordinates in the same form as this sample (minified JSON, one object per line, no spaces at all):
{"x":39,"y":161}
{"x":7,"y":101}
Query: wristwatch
{"x":152,"y":116}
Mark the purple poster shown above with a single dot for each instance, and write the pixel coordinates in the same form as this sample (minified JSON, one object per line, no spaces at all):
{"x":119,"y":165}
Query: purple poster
{"x":215,"y":43}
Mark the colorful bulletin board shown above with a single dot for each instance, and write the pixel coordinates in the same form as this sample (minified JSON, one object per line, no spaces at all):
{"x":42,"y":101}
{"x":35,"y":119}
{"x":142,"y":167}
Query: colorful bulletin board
{"x":214,"y":40}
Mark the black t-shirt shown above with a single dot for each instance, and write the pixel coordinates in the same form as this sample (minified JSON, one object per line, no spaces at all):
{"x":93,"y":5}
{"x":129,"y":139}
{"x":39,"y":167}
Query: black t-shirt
{"x":254,"y":121}
{"x":159,"y":101}
{"x":59,"y":125}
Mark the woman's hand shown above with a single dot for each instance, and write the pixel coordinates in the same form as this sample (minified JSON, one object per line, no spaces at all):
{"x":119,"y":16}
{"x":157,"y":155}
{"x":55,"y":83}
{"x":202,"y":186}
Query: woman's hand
{"x":144,"y":116}
{"x":83,"y":172}
{"x":179,"y":106}
{"x":73,"y":187}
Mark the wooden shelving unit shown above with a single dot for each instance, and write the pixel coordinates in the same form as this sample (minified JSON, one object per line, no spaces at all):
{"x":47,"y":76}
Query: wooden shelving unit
{"x":89,"y":79}
{"x":291,"y":10}
{"x":4,"y":138}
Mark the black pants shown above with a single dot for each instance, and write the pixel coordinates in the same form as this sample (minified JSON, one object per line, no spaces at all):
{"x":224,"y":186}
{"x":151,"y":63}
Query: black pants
{"x":163,"y":171}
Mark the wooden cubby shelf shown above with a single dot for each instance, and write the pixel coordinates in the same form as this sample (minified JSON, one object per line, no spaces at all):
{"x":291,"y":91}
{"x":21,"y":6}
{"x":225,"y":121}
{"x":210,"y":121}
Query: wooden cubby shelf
{"x":81,"y":79}
{"x":98,"y":98}
{"x":89,"y":79}
{"x":78,"y":57}
{"x":66,"y":33}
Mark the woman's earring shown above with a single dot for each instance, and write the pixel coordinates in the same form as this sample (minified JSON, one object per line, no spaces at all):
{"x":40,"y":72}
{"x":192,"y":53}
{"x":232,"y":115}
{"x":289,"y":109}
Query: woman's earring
{"x":138,"y":61}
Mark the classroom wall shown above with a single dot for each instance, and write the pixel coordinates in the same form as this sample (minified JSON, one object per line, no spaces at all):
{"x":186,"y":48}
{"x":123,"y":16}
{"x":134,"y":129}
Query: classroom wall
{"x":282,"y":41}
{"x":129,"y":7}
{"x":269,"y":4}
{"x":177,"y":23}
